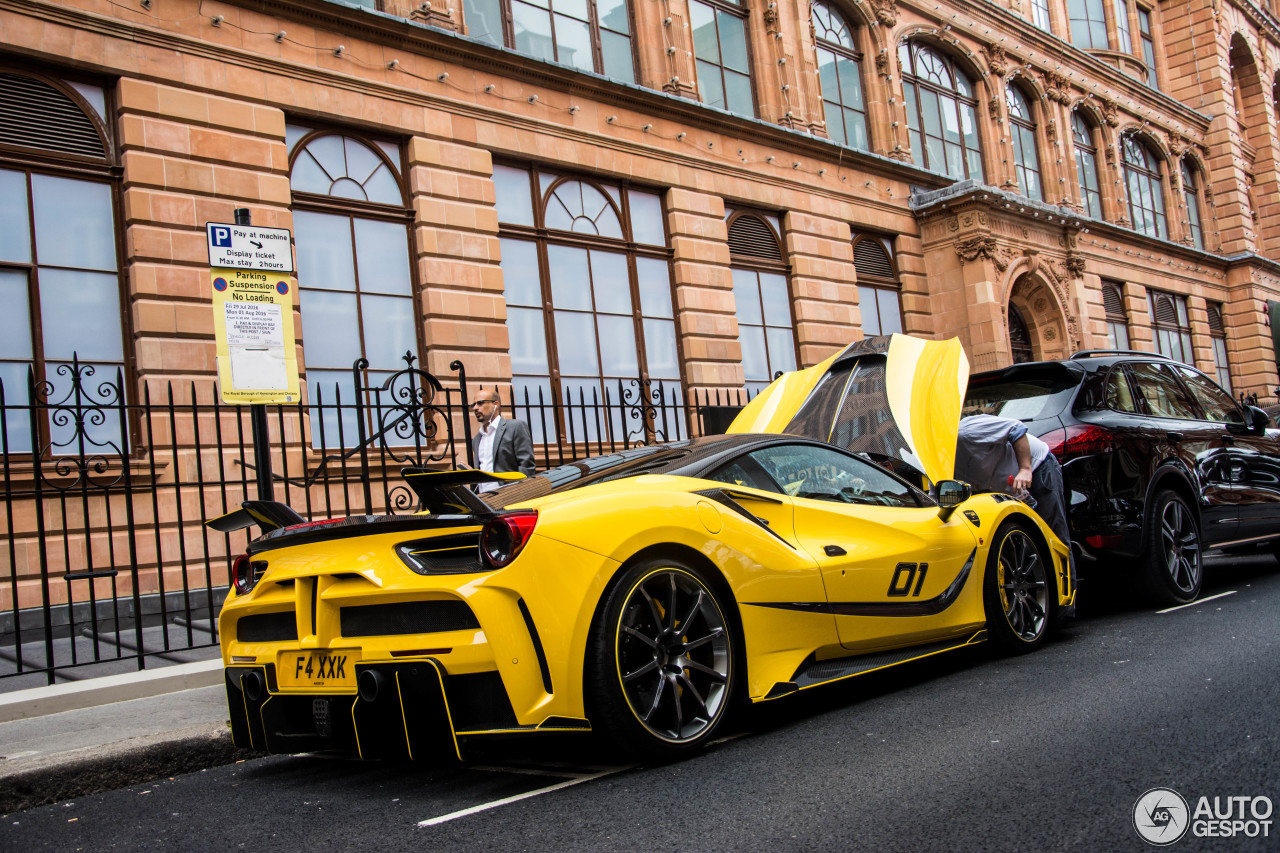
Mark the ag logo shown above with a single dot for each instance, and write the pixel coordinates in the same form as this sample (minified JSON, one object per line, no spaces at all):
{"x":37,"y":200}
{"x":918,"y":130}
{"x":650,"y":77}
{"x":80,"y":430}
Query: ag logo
{"x":1161,"y":816}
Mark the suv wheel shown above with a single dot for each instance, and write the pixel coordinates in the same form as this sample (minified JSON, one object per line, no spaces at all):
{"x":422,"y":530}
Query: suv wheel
{"x":1174,"y":572}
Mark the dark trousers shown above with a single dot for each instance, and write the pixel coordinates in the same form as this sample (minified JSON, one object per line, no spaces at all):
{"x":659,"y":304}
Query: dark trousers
{"x":1050,"y":495}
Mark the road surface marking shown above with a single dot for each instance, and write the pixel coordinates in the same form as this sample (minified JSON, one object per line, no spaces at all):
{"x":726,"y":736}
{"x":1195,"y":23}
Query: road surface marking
{"x":1194,"y":603}
{"x":518,"y":797}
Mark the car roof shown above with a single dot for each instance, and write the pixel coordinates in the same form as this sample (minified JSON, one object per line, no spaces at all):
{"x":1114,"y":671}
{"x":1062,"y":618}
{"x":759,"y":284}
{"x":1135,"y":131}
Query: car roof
{"x":1087,"y":361}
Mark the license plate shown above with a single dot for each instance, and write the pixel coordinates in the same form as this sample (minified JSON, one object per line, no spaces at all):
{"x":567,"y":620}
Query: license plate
{"x":328,"y":671}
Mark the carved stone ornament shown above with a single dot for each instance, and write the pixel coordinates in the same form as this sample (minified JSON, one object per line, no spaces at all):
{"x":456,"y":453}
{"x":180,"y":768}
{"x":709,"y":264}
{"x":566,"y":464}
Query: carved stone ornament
{"x":1055,"y":87}
{"x":771,"y":18}
{"x":882,"y":64}
{"x":953,"y":224}
{"x":993,"y":107}
{"x":976,"y":248}
{"x":997,"y":61}
{"x":1110,"y":112}
{"x":1177,"y":144}
{"x":886,"y":12}
{"x":1051,"y":129}
{"x":1075,"y":265}
{"x":440,"y":18}
{"x":1110,"y":154}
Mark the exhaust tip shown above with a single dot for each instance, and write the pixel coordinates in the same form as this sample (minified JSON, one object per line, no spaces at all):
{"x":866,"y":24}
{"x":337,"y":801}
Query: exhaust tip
{"x":252,"y":685}
{"x":370,"y":685}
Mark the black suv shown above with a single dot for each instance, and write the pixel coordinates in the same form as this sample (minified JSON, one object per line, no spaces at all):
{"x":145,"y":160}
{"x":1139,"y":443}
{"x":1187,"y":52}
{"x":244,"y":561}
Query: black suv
{"x":1159,"y":462}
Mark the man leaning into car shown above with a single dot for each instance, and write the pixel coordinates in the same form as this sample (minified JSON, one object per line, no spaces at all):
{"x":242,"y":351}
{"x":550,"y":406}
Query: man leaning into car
{"x":997,"y":454}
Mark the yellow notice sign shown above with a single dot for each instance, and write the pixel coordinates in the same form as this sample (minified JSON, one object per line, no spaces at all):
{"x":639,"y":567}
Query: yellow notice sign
{"x":253,"y":321}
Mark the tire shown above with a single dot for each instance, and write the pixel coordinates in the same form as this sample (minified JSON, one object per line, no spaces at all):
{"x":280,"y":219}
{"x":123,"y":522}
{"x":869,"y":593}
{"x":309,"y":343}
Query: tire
{"x":1018,"y":590}
{"x":661,"y":661}
{"x":1173,"y":570}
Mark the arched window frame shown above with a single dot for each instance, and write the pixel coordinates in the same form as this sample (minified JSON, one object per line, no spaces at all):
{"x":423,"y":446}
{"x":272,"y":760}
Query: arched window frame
{"x":1144,"y":186}
{"x":1192,"y":199}
{"x":1088,"y":175}
{"x":1025,"y":140}
{"x":51,"y":369}
{"x":836,"y":46}
{"x":1170,"y":325}
{"x":506,"y":23}
{"x":1117,"y":318}
{"x":956,"y":94}
{"x":325,"y":382}
{"x":879,"y":293}
{"x":1218,"y":337}
{"x":533,"y":307}
{"x":727,"y":19}
{"x":753,"y":274}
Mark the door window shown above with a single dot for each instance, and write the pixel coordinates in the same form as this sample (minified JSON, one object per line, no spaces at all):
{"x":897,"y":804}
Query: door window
{"x":1218,"y":407}
{"x":1119,"y":394}
{"x":819,"y":473}
{"x":1160,"y":391}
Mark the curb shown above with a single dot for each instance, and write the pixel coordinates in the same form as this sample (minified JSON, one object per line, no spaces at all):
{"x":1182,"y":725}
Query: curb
{"x":56,"y":698}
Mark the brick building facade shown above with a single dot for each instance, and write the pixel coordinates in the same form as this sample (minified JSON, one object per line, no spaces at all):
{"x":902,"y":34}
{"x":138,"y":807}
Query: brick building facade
{"x":698,"y":192}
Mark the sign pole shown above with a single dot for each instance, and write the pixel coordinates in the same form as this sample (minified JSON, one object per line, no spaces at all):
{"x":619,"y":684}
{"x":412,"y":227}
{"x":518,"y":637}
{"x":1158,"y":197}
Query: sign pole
{"x":258,"y":415}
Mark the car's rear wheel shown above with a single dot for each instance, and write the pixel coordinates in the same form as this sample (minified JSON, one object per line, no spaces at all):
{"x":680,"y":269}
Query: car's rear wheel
{"x":1173,"y":570}
{"x":1017,"y":591}
{"x":660,"y":668}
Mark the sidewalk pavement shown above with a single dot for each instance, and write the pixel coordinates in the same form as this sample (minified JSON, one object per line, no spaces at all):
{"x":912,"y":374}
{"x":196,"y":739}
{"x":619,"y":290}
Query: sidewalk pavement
{"x":71,"y":740}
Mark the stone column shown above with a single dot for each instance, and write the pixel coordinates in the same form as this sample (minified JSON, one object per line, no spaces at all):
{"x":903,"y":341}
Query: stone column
{"x":824,"y":292}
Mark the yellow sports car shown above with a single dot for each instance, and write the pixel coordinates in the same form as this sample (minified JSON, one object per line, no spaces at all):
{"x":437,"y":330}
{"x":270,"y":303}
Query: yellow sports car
{"x":642,"y":594}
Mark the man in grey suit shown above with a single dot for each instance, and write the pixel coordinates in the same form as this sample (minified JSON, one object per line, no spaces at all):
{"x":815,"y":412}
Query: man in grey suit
{"x":503,"y":444}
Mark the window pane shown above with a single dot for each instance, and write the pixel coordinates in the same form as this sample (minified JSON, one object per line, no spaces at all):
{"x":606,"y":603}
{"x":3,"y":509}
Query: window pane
{"x":613,"y":14}
{"x":890,"y":315}
{"x":382,"y":186}
{"x":710,"y":86}
{"x":383,"y":252}
{"x":484,"y":20}
{"x":520,"y":272}
{"x":782,"y":349}
{"x":870,"y":312}
{"x":660,"y":349}
{"x":323,"y":245}
{"x":755,"y":366}
{"x":850,"y":83}
{"x":532,"y":30}
{"x":570,"y":281}
{"x":15,"y":319}
{"x":618,"y":346}
{"x":655,"y":287}
{"x":573,"y":43}
{"x":616,"y":52}
{"x":1217,"y":406}
{"x":528,"y":341}
{"x":611,"y":282}
{"x":514,"y":202}
{"x":777,"y":305}
{"x":331,"y":427}
{"x":13,"y":376}
{"x":389,"y":330}
{"x":80,"y":313}
{"x":737,"y":93}
{"x":706,"y":44}
{"x":74,"y":226}
{"x":330,"y":333}
{"x":733,"y":42}
{"x":746,"y":294}
{"x":572,"y":8}
{"x":646,"y":219}
{"x":15,"y":226}
{"x":576,"y":344}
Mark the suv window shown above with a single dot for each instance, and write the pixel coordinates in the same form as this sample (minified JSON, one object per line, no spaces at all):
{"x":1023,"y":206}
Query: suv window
{"x":819,"y":473}
{"x":1118,"y":394}
{"x":1218,"y":406}
{"x":1025,"y":395}
{"x":1161,"y":392}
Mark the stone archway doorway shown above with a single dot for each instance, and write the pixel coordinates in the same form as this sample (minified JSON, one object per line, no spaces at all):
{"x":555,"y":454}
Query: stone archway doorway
{"x":1019,"y":338}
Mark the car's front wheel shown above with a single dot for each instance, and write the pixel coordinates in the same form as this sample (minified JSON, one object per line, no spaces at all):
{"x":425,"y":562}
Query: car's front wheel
{"x":1174,"y":571}
{"x":1018,"y":588}
{"x":660,"y":667}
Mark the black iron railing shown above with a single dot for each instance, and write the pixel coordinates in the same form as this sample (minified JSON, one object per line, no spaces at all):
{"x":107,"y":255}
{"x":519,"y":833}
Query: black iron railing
{"x":106,"y":563}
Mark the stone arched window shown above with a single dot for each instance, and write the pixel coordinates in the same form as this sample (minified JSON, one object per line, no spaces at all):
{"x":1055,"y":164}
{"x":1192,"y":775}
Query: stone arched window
{"x":1083,"y":137}
{"x":1022,"y":135}
{"x":878,"y":287}
{"x":1171,"y":326}
{"x":840,"y":74}
{"x":722,"y":54}
{"x":586,"y":272}
{"x":941,"y":112}
{"x":60,"y":262}
{"x":355,"y":281}
{"x":1218,"y":335}
{"x":1117,"y":318}
{"x":762,"y":297}
{"x":1145,"y":187}
{"x":1191,"y":195}
{"x":594,"y":35}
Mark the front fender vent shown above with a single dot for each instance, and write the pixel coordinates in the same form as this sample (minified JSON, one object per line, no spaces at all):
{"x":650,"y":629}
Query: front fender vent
{"x":409,"y":617}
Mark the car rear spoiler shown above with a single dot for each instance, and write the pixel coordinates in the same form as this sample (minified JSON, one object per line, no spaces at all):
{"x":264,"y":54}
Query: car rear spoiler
{"x":269,"y":515}
{"x":449,"y":492}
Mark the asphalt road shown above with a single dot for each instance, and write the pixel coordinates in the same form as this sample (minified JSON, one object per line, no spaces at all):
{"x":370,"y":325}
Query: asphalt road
{"x":963,"y":752}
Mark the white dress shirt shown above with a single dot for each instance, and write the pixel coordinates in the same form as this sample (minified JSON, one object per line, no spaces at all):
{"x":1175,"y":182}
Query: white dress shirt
{"x":484,"y":451}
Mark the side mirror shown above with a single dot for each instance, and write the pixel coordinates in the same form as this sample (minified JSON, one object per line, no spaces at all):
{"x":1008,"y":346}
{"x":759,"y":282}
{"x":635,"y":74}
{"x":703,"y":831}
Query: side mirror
{"x":1257,"y":420}
{"x":950,"y":494}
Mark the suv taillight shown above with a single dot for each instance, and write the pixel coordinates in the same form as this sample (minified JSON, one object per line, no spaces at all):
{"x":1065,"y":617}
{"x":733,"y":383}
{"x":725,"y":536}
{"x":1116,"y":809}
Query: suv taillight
{"x":1079,"y":440}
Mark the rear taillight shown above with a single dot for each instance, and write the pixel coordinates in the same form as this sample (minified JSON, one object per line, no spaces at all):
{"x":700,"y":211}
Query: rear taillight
{"x":244,"y":574}
{"x":505,"y":535}
{"x":1079,"y":440}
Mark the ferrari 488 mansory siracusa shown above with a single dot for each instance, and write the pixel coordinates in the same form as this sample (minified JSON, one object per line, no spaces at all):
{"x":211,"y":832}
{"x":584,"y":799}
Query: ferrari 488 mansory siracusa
{"x":642,"y":594}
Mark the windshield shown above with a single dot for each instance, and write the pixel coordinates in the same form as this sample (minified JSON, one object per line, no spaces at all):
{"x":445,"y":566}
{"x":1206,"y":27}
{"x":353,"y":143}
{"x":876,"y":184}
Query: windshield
{"x":1020,"y":395}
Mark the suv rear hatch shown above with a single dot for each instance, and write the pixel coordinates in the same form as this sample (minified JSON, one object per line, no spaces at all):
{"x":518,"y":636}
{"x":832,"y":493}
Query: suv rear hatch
{"x":1036,"y":393}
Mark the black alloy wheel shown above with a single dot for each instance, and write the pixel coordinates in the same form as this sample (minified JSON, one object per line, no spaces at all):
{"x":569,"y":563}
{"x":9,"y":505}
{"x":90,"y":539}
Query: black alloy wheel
{"x":1174,"y":572}
{"x":1018,"y":588}
{"x":661,"y":665}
